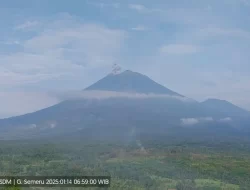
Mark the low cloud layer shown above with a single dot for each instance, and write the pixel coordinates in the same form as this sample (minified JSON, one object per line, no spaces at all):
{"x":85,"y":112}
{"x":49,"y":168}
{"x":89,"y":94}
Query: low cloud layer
{"x":194,"y":121}
{"x":96,"y":94}
{"x":189,"y":121}
{"x":227,"y":119}
{"x":18,"y":103}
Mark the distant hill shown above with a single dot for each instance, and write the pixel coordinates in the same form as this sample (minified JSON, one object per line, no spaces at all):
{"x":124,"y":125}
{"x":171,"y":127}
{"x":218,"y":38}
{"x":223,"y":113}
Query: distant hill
{"x":225,"y":107}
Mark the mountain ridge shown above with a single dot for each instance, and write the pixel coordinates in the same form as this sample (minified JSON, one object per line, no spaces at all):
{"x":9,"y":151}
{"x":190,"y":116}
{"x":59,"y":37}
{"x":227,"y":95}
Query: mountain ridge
{"x":225,"y":106}
{"x":118,"y":115}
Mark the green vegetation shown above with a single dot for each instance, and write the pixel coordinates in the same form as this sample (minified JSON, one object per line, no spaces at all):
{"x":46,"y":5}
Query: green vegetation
{"x":135,"y":166}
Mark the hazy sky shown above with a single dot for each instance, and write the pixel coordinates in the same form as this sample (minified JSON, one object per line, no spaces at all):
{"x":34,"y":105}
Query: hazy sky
{"x":198,"y":48}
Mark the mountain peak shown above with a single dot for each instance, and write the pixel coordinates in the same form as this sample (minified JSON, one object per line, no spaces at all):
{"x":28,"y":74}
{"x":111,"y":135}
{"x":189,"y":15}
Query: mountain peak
{"x":127,"y":72}
{"x":130,"y":81}
{"x":122,"y":73}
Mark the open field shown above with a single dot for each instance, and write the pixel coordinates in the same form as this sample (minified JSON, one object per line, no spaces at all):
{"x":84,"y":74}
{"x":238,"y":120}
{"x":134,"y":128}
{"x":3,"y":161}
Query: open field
{"x":138,"y":165}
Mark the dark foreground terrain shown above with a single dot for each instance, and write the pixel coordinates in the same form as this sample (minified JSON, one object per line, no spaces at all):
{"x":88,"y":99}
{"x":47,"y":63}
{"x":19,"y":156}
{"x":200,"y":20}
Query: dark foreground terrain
{"x":142,"y":164}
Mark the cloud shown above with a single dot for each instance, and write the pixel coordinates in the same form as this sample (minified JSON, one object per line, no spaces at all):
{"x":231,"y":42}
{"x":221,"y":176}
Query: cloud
{"x":206,"y":119}
{"x":18,"y":103}
{"x":99,"y":94}
{"x":245,"y":2}
{"x":27,"y":25}
{"x":62,"y":48}
{"x":189,"y":15}
{"x":32,"y":126}
{"x":53,"y":125}
{"x":179,"y":49}
{"x":194,"y":14}
{"x":103,"y":5}
{"x":25,"y":68}
{"x":138,"y":7}
{"x":139,"y":28}
{"x":194,"y":121}
{"x":11,"y":42}
{"x":189,"y":121}
{"x":84,"y":44}
{"x":217,"y":31}
{"x":88,"y":34}
{"x":227,"y":119}
{"x":142,"y":9}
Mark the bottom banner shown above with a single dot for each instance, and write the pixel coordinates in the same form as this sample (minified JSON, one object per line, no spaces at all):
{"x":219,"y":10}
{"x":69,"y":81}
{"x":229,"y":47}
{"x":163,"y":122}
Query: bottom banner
{"x":56,"y":181}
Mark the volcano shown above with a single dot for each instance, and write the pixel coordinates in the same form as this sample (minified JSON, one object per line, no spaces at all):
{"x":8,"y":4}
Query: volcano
{"x":123,"y":106}
{"x":129,"y":81}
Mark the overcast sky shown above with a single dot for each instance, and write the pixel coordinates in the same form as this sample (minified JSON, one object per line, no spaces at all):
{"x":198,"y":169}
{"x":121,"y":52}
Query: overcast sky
{"x":195,"y":47}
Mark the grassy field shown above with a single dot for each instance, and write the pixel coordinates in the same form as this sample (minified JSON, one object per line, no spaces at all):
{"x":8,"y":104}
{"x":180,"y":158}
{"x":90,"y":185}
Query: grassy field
{"x":134,"y":166}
